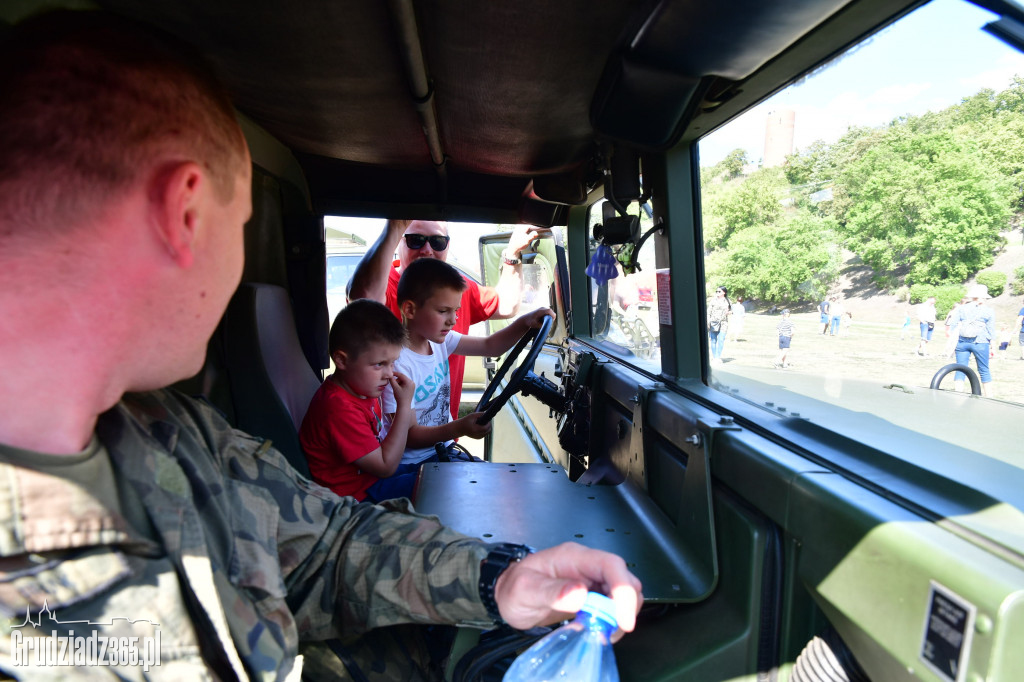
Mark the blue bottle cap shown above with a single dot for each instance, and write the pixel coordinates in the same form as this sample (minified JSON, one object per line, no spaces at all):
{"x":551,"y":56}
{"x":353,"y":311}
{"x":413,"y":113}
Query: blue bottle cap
{"x":600,"y":606}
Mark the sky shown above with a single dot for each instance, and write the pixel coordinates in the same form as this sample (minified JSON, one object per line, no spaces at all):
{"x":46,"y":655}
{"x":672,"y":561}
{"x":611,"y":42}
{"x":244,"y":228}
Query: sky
{"x":929,"y":60}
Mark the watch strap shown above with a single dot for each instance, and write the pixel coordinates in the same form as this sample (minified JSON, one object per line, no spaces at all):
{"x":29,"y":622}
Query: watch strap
{"x":508,"y":260}
{"x":493,"y":565}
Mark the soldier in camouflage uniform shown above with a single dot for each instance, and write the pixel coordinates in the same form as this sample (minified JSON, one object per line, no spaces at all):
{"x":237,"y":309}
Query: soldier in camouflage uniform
{"x":144,"y":514}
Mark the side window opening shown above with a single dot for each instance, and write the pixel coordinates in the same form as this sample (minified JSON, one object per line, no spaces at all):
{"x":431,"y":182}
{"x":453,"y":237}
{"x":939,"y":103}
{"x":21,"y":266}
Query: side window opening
{"x":870,"y":200}
{"x":624,"y":309}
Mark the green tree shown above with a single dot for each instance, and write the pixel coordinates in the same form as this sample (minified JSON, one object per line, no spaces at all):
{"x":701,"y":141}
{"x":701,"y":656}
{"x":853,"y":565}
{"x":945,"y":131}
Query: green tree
{"x":927,"y":203}
{"x":742,"y":203}
{"x":995,"y":280}
{"x":734,"y":162}
{"x":810,"y":166}
{"x":946,"y":296}
{"x":1017,"y":285}
{"x":795,"y":259}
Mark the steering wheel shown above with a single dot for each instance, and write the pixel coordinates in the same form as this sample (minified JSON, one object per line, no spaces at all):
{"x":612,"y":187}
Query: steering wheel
{"x":538,"y":336}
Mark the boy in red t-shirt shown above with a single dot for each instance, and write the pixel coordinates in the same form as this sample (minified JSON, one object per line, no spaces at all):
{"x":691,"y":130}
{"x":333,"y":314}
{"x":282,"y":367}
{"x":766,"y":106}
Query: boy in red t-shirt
{"x":341,"y":433}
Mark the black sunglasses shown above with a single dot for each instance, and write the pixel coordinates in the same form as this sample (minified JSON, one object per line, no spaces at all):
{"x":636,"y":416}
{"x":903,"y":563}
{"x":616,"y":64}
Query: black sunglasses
{"x":416,"y":241}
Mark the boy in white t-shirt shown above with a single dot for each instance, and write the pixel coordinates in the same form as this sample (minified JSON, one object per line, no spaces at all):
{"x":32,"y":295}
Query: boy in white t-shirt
{"x":429,"y":296}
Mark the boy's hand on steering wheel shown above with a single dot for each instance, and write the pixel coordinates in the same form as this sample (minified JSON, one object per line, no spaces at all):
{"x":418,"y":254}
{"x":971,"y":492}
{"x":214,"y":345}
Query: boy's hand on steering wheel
{"x":469,"y":427}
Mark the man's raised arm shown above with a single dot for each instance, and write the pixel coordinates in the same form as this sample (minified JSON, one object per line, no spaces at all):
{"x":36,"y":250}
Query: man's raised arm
{"x":370,"y":280}
{"x":510,"y":282}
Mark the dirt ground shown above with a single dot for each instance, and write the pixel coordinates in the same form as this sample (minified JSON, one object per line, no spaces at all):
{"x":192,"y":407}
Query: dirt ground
{"x":867,"y":350}
{"x":876,"y":346}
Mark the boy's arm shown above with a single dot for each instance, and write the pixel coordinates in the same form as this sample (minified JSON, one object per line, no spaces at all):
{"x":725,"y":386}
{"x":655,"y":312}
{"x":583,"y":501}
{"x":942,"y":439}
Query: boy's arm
{"x":424,"y":436}
{"x":503,"y":339}
{"x":383,"y":461}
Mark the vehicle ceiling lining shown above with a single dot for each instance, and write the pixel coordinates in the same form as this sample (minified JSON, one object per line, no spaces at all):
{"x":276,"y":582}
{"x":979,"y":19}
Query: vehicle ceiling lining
{"x":521,"y":90}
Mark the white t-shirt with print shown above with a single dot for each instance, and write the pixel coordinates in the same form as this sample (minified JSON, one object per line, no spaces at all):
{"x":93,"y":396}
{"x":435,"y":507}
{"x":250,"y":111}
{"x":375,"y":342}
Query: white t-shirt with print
{"x":431,"y":401}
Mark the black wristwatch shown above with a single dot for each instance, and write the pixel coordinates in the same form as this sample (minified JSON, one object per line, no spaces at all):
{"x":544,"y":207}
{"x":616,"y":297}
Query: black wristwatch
{"x":493,"y":565}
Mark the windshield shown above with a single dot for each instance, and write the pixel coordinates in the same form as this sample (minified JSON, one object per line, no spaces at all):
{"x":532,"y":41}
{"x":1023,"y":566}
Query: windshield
{"x":862,"y":232}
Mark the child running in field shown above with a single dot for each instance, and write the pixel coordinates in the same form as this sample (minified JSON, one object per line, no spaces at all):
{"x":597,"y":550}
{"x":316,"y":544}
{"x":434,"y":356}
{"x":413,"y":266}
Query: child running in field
{"x":429,"y":295}
{"x":342,"y":432}
{"x":786,"y":329}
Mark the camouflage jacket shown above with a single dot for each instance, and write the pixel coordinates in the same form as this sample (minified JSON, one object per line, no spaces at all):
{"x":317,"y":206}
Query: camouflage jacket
{"x":243,"y":559}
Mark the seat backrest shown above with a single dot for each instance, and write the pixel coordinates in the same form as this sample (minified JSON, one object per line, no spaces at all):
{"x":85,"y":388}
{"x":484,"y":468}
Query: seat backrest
{"x":271,"y":381}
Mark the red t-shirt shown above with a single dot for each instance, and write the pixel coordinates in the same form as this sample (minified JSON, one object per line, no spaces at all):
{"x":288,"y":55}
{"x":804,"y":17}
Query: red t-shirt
{"x":338,"y":429}
{"x":478,"y":304}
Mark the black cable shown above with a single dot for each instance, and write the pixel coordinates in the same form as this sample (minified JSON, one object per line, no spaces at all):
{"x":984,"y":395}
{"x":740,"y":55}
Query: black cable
{"x":484,"y":655}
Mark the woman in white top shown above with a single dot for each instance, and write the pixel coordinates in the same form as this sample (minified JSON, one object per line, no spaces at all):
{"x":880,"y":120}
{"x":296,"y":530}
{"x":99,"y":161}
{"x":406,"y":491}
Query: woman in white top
{"x":736,"y":319}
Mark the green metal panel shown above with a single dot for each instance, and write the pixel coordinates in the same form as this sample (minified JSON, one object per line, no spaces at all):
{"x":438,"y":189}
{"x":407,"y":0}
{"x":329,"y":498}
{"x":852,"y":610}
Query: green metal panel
{"x":871,"y":566}
{"x":716,"y":639}
{"x":578,"y":254}
{"x":538,"y":505}
{"x":684,"y":342}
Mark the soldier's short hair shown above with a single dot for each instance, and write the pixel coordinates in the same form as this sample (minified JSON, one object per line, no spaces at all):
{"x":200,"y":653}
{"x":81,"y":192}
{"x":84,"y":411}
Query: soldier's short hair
{"x":364,"y":323}
{"x":423,"y":277}
{"x":93,"y":102}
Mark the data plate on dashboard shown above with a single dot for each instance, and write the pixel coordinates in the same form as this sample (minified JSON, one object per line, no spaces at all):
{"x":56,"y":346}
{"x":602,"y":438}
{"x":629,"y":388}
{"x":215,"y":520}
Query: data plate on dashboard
{"x":948,"y":625}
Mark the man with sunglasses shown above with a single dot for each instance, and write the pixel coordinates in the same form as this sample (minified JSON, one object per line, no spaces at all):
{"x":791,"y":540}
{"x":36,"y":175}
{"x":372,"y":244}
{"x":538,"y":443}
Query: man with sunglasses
{"x":376,"y":277}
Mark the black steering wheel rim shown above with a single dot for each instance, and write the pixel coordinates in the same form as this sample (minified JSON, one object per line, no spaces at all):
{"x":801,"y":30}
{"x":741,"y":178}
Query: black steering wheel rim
{"x":537,"y":336}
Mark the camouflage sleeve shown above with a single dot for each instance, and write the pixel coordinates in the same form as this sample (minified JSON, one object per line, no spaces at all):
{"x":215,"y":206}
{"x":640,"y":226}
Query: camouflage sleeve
{"x":349,"y":566}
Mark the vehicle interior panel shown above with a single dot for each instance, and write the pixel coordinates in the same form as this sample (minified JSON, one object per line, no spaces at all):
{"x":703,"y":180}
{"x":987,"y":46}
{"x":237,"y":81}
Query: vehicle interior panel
{"x":345,"y":86}
{"x":503,"y":500}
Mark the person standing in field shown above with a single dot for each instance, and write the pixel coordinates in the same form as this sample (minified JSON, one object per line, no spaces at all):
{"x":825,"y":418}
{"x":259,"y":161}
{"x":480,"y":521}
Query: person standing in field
{"x":736,"y":320}
{"x":926,"y":322}
{"x":826,"y":319}
{"x":718,"y":323}
{"x":836,"y":311}
{"x":786,"y":329}
{"x":977,"y":327}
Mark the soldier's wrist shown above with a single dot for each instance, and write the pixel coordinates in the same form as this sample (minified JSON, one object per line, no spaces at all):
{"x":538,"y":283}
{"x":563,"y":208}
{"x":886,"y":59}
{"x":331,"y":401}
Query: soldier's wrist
{"x":497,"y":561}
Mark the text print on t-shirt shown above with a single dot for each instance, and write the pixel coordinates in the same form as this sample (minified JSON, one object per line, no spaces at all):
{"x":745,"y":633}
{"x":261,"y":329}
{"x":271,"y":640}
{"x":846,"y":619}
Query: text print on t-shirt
{"x":432,"y":382}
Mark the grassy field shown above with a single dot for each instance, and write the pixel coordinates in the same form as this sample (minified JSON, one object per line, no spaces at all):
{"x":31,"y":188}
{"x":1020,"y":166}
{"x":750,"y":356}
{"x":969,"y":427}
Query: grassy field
{"x":867,"y":351}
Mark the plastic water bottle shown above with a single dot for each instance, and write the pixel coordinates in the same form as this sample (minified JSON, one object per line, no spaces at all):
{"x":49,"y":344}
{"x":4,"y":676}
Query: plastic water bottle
{"x":579,"y":651}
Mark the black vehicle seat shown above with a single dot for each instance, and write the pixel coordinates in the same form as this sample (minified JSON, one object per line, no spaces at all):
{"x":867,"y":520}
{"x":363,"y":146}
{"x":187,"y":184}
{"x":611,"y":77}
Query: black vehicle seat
{"x":271,"y":381}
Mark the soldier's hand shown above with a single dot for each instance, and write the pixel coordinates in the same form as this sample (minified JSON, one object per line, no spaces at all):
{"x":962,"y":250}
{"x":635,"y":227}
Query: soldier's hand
{"x":552,"y":584}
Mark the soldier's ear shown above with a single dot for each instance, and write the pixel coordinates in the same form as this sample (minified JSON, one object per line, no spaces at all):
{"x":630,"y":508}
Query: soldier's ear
{"x":175,"y":201}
